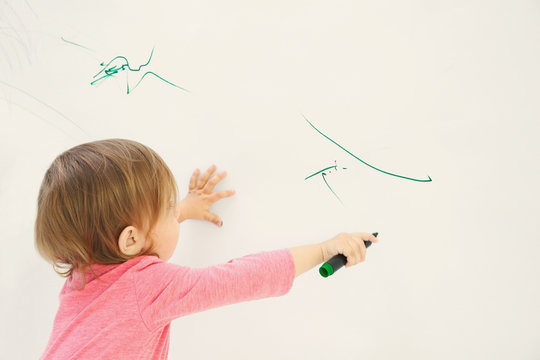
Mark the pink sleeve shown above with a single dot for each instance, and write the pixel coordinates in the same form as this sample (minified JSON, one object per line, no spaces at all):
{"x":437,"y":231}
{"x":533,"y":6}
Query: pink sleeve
{"x":167,"y":291}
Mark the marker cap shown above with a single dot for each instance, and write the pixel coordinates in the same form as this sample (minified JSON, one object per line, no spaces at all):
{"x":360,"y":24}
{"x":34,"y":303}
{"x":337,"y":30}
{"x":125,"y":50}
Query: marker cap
{"x":326,"y":270}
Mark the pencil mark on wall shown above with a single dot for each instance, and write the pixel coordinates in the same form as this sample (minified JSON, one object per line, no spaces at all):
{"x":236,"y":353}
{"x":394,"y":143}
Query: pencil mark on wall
{"x":27,"y":95}
{"x":30,"y":7}
{"x":22,"y":107}
{"x":362,"y":161}
{"x":15,"y":40}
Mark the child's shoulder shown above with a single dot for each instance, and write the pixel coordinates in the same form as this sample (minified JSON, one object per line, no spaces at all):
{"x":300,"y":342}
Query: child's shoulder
{"x":143,"y":262}
{"x":153,"y":265}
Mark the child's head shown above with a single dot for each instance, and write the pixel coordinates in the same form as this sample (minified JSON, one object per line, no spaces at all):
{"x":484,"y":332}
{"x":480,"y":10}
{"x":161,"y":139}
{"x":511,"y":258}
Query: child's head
{"x":106,"y":202}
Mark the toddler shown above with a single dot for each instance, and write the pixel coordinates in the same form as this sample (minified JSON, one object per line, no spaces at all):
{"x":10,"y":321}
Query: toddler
{"x":108,"y":220}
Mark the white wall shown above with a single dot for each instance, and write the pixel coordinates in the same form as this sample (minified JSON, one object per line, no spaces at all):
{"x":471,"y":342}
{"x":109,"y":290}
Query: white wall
{"x":417,"y":88}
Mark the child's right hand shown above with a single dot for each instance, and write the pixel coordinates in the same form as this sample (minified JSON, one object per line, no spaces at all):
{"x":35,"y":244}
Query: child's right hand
{"x":196,"y":204}
{"x":349,"y":244}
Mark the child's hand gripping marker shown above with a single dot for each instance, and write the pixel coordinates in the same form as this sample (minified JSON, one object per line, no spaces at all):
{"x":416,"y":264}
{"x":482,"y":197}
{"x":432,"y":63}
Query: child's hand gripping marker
{"x":337,"y":262}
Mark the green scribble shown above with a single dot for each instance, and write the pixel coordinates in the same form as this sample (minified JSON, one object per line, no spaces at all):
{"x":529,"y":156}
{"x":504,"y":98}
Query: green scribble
{"x":323,"y":173}
{"x":72,"y":43}
{"x":115,"y":69}
{"x":357,"y":158}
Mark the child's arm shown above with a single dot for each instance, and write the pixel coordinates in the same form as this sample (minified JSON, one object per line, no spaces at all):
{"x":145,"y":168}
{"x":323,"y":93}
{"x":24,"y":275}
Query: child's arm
{"x":166,"y":291}
{"x":306,"y":257}
{"x":351,"y":245}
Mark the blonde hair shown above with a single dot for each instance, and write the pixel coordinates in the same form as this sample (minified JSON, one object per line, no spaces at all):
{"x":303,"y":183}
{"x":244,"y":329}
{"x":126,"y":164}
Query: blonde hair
{"x":90,"y":193}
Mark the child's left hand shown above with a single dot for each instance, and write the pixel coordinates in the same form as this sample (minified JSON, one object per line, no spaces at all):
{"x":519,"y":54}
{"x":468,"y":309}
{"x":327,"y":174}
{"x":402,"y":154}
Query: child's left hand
{"x":196,"y":204}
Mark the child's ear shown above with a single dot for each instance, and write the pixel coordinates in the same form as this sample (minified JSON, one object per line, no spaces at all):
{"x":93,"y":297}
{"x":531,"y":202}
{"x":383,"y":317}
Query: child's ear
{"x":130,"y":241}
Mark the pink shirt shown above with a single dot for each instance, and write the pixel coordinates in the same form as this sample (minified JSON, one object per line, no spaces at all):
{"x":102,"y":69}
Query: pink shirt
{"x":127,"y":314}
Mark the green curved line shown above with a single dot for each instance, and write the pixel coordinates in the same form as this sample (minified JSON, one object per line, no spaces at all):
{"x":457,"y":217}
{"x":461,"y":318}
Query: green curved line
{"x":151,"y":73}
{"x":72,"y":43}
{"x":357,"y":158}
{"x":318,"y":172}
{"x":323,"y":174}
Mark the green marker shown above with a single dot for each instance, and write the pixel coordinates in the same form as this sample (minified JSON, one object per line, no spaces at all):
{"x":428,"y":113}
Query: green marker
{"x":337,"y":262}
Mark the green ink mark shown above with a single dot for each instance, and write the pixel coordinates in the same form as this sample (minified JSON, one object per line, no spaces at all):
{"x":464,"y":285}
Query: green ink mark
{"x":324,"y":178}
{"x":357,"y":158}
{"x":151,"y":73}
{"x":330,"y":167}
{"x":318,"y":172}
{"x":115,"y":69}
{"x":72,"y":43}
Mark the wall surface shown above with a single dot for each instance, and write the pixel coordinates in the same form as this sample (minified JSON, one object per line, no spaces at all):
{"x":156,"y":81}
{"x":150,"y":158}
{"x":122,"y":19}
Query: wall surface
{"x":421,"y":89}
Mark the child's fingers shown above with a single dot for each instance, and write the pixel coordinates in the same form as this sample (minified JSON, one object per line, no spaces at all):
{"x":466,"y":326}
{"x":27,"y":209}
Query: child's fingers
{"x":366,"y":237}
{"x":206,"y":175}
{"x":213,"y":182}
{"x":361,"y":248}
{"x":220,"y":195}
{"x":349,"y":253}
{"x":193,"y":180}
{"x":355,"y":249}
{"x":213,"y":218}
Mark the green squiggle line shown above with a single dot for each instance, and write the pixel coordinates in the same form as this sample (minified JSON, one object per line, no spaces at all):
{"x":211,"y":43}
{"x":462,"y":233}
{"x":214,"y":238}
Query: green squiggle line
{"x":116,"y":69}
{"x":126,"y":64}
{"x":357,"y":158}
{"x":324,"y":178}
{"x":151,"y":73}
